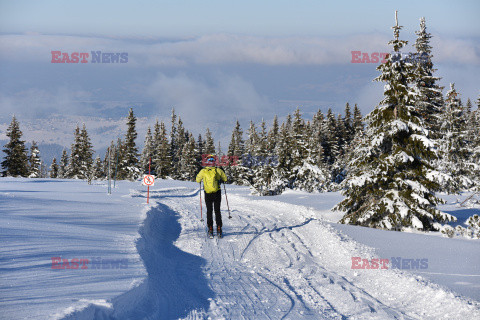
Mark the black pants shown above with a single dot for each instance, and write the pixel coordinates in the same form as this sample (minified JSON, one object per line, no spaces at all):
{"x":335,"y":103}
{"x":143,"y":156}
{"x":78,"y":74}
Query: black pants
{"x":213,"y":200}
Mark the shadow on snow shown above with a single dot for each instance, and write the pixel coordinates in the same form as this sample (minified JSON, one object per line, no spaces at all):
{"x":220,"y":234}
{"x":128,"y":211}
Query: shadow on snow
{"x":175,"y":285}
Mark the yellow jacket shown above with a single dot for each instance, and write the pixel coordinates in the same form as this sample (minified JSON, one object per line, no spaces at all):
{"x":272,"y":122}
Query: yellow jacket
{"x":210,"y":177}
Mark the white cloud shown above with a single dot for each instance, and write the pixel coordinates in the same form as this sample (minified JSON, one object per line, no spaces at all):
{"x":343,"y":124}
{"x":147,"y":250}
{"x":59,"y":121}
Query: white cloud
{"x":227,"y":49}
{"x":456,"y":51}
{"x":199,"y":100}
{"x":38,"y":102}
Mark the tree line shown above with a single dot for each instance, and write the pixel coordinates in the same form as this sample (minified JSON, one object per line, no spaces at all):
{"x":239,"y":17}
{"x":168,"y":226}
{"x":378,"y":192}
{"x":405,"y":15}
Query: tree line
{"x":415,"y":142}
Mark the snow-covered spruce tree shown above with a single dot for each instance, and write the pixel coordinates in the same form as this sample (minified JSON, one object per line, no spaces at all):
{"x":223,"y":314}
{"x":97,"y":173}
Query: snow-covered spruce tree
{"x":179,"y":139}
{"x":173,"y":144}
{"x":391,"y":186}
{"x":313,"y":174}
{"x":15,"y":162}
{"x":43,"y":170}
{"x":262,"y":166}
{"x":188,"y":164}
{"x":155,"y":141}
{"x":200,"y":147}
{"x":81,"y":154}
{"x":117,"y":161}
{"x":348,"y":125}
{"x":63,"y":167}
{"x":331,"y":148}
{"x":475,"y":155}
{"x":74,"y":166}
{"x":219,"y":149}
{"x":318,"y":138}
{"x":86,"y":153}
{"x":147,"y":152}
{"x":130,"y":156}
{"x":54,"y":168}
{"x":283,"y":151}
{"x":245,"y":171}
{"x":162,"y":154}
{"x":97,"y":169}
{"x":429,"y":100}
{"x":473,"y":136}
{"x":236,"y":149}
{"x":299,"y":134}
{"x":209,"y":143}
{"x":338,"y":168}
{"x":358,"y":125}
{"x":34,"y":162}
{"x":454,"y":146}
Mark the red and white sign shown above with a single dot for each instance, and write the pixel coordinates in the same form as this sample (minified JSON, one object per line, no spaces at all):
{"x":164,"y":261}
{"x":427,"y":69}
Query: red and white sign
{"x":148,"y":180}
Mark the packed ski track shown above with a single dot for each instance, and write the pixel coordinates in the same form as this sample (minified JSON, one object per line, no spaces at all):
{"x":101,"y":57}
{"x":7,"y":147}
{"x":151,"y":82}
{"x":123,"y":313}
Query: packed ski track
{"x":275,"y":261}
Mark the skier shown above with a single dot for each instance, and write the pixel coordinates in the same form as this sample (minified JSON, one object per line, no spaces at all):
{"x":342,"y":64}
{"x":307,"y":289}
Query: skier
{"x":212,"y":177}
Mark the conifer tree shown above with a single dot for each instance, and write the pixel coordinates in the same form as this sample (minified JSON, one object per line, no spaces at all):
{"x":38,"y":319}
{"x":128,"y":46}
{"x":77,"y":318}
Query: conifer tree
{"x":272,"y":137}
{"x":15,"y":162}
{"x":331,"y":149}
{"x":63,"y":167}
{"x":188,"y":163}
{"x":348,"y":125}
{"x":162,"y":154}
{"x":75,"y":164}
{"x":391,"y":186}
{"x":475,"y":155}
{"x":252,"y":140}
{"x":429,"y":98}
{"x":43,"y":170}
{"x":454,"y":145}
{"x":81,"y":154}
{"x":342,"y":135}
{"x":299,"y":139}
{"x":358,"y":125}
{"x":86,"y":153}
{"x":54,"y":169}
{"x":155,"y":141}
{"x":130,"y":156}
{"x":118,"y":163}
{"x":318,"y":138}
{"x":173,"y":143}
{"x":262,"y":170}
{"x":235,"y":152}
{"x":147,"y":152}
{"x":284,"y":149}
{"x":34,"y":162}
{"x":209,"y":143}
{"x":97,"y":169}
{"x":200,"y":148}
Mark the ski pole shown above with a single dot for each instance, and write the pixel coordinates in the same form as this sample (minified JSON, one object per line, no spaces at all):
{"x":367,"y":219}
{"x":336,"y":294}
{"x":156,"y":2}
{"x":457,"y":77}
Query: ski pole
{"x":229,"y":216}
{"x":201,"y":213}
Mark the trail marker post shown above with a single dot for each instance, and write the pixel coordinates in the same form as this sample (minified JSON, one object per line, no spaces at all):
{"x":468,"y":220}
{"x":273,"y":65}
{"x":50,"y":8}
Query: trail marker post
{"x":148,"y":180}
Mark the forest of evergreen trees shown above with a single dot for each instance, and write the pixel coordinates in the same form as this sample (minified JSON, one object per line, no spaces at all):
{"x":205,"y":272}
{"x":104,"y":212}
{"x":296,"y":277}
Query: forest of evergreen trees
{"x":415,"y":142}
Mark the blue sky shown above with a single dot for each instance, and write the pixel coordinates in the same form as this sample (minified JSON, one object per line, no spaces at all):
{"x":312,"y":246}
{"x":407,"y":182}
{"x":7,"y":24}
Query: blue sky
{"x":217,"y":61}
{"x":274,"y":18}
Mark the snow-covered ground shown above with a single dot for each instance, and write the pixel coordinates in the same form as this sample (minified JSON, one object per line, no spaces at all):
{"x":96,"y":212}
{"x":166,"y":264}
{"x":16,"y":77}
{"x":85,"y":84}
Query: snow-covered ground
{"x":282,"y":257}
